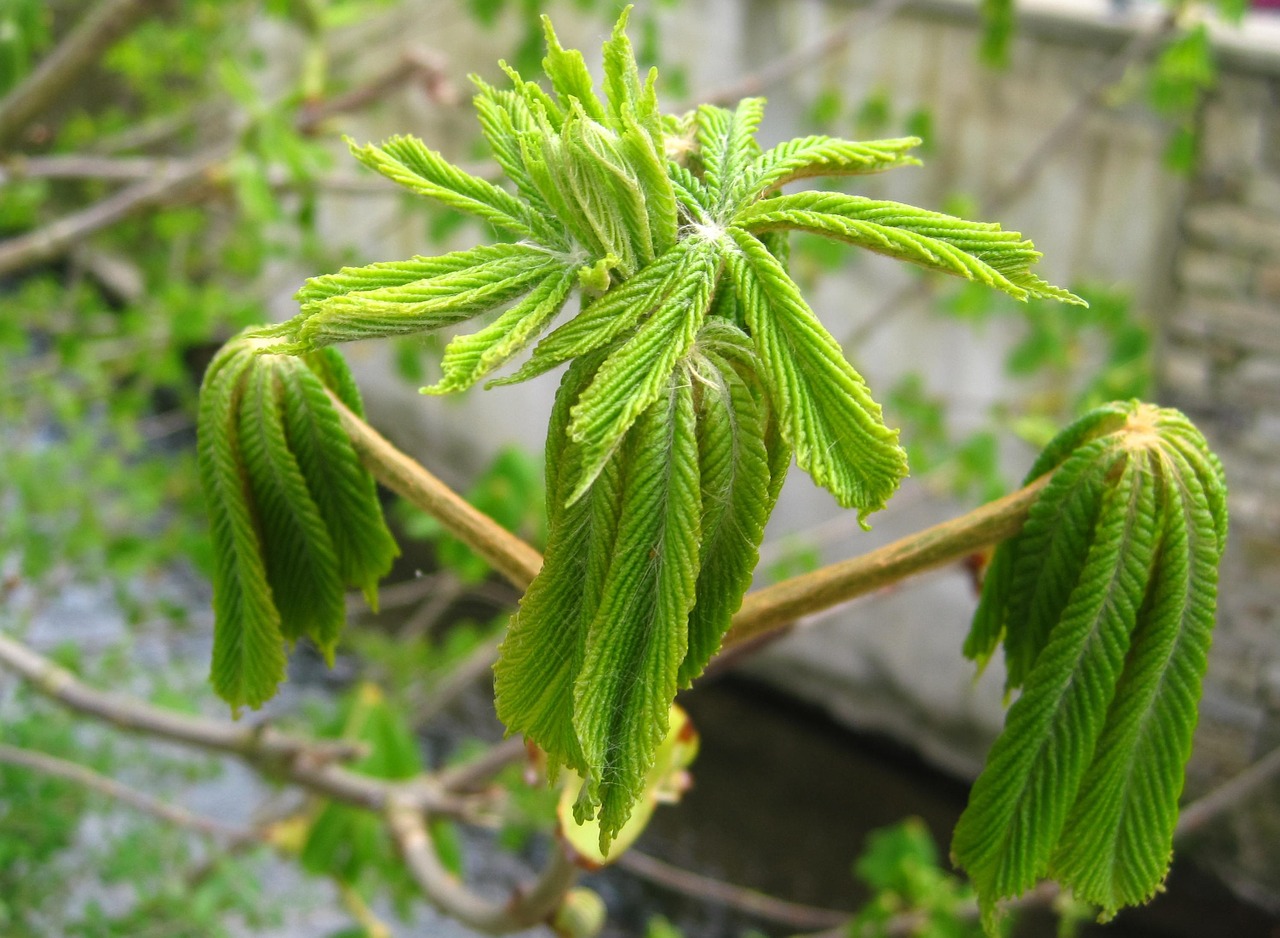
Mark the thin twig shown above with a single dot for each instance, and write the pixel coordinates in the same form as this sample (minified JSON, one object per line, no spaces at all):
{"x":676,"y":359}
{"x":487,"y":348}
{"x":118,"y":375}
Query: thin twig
{"x":832,"y":42}
{"x":478,"y":772}
{"x":79,"y":50}
{"x":697,"y":886}
{"x":53,"y":239}
{"x":415,"y":64}
{"x":477,"y":664}
{"x":526,"y":907}
{"x":53,"y":766}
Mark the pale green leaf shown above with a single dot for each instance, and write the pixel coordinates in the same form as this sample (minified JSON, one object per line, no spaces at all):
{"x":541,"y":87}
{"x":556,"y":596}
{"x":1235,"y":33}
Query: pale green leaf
{"x":421,"y":305}
{"x":504,"y":116}
{"x":638,"y":371}
{"x":637,"y":640}
{"x":609,"y":316}
{"x":624,"y":93}
{"x":726,"y":147}
{"x":248,"y":648}
{"x":411,"y":163}
{"x":302,"y":565}
{"x":468,"y":358}
{"x":569,"y":76}
{"x":976,"y":251}
{"x":1019,"y":804}
{"x":806,"y":157}
{"x":541,"y":655}
{"x":827,"y":414}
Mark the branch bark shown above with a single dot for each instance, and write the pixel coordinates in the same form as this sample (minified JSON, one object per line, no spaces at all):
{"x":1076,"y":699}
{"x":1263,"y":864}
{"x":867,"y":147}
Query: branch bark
{"x":527,"y":906}
{"x":98,"y":31}
{"x":310,"y":764}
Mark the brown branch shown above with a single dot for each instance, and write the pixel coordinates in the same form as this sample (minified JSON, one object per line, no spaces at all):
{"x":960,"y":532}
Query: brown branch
{"x":52,"y":240}
{"x":415,"y":64}
{"x":479,"y":771}
{"x":79,"y":50}
{"x":125,"y":794}
{"x":1230,"y":793}
{"x":310,"y":764}
{"x":772,"y":608}
{"x":526,"y":907}
{"x":501,"y":549}
{"x":697,"y":886}
{"x":832,"y":42}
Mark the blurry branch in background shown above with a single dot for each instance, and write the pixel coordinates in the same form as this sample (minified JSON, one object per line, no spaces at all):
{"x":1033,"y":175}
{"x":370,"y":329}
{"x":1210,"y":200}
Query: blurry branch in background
{"x":125,"y":794}
{"x":833,"y":41}
{"x":100,"y":29}
{"x":416,"y":66}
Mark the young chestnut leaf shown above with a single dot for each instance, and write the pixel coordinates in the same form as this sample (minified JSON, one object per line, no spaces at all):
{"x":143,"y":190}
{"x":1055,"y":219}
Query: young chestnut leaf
{"x":1105,"y":603}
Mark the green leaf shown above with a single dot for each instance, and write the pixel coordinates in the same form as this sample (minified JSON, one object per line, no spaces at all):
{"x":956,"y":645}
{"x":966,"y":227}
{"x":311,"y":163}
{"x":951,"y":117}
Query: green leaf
{"x":468,"y":358}
{"x":1018,"y":805}
{"x":343,"y":490}
{"x":806,"y":157}
{"x":733,"y":466}
{"x":414,"y":165}
{"x":972,"y":250}
{"x":504,"y":116}
{"x":422,"y":304}
{"x":637,"y":640}
{"x":1118,"y":841}
{"x":302,"y":566}
{"x":569,"y":76}
{"x":248,"y":653}
{"x":542,"y":653}
{"x":609,"y":316}
{"x":637,"y":372}
{"x":826,"y":412}
{"x":726,"y":146}
{"x":623,"y":92}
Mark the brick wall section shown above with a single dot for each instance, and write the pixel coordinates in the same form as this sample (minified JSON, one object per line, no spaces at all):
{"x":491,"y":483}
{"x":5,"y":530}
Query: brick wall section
{"x":1220,"y":363}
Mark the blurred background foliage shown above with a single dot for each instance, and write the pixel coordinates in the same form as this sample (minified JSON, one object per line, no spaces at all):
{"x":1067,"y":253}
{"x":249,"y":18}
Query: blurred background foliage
{"x":148,"y":204}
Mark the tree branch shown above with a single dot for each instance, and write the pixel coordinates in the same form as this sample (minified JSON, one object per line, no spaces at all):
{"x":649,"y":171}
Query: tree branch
{"x":98,"y":31}
{"x":525,"y":908}
{"x":310,"y":764}
{"x":697,"y":886}
{"x":81,"y":775}
{"x":52,"y":240}
{"x":772,"y":608}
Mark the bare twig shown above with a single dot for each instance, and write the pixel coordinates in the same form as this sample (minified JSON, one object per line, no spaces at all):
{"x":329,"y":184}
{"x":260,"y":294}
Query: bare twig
{"x":832,"y":42}
{"x":478,"y":772}
{"x":466,"y":672}
{"x":1229,"y":794}
{"x":308,"y":763}
{"x":127,"y":795}
{"x":98,"y":31}
{"x":697,"y":886}
{"x":501,"y":549}
{"x":415,"y":64}
{"x":526,"y":907}
{"x":48,"y":242}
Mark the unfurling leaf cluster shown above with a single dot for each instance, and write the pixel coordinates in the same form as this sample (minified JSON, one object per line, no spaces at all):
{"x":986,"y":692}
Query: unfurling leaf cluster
{"x":294,"y":515}
{"x":1104,"y":604}
{"x":695,"y":370}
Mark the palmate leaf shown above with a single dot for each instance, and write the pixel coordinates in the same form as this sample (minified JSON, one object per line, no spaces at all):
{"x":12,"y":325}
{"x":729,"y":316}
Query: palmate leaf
{"x":1083,"y":783}
{"x":726,"y":145}
{"x":504,"y":117}
{"x":973,"y":250}
{"x":826,"y":413}
{"x":638,"y":638}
